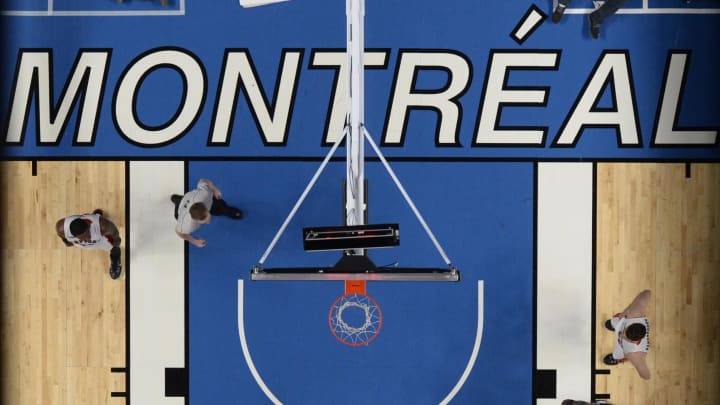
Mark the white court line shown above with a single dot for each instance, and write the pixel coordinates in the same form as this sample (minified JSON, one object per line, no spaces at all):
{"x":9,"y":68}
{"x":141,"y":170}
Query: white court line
{"x":564,"y":276}
{"x":89,"y":13}
{"x":255,"y":3}
{"x":476,"y":348}
{"x":156,"y":283}
{"x":649,"y":10}
{"x":246,"y":352}
{"x":50,"y":12}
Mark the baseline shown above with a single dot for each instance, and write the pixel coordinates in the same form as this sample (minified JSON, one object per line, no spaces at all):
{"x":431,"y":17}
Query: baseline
{"x":649,"y":10}
{"x":51,"y":12}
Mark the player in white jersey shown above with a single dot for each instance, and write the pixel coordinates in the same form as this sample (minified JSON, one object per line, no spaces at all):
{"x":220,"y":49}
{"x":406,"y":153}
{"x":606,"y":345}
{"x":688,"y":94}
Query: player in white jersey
{"x":632,"y":335}
{"x":197,"y":207}
{"x":92,"y":231}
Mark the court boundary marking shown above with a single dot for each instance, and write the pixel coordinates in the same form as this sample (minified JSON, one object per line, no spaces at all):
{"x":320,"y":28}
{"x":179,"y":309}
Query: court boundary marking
{"x":645,"y":9}
{"x":50,"y":12}
{"x":649,"y":11}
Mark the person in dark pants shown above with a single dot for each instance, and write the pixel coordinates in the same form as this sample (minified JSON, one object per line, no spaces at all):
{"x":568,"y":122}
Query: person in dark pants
{"x":197,"y":207}
{"x":596,"y":18}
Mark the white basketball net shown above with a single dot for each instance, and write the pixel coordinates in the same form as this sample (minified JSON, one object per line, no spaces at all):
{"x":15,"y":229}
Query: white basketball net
{"x":355,"y":334}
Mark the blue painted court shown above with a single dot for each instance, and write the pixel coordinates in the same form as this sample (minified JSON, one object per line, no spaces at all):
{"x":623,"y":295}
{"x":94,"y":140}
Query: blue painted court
{"x":428,"y":329}
{"x":492,"y":117}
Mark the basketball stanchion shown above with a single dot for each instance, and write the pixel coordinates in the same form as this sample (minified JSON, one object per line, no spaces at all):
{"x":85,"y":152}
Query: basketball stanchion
{"x":355,"y":318}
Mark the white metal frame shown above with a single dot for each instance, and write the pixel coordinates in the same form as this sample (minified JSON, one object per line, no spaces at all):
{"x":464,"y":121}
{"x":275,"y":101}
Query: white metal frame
{"x":355,"y":131}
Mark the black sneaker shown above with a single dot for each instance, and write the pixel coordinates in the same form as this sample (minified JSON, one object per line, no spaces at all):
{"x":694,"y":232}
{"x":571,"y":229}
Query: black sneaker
{"x":115,"y":269}
{"x":115,"y":263}
{"x":610,"y":360}
{"x":594,"y":26}
{"x":237,"y":214}
{"x":98,"y":211}
{"x":608,"y":325}
{"x":558,"y":13}
{"x":175,"y":198}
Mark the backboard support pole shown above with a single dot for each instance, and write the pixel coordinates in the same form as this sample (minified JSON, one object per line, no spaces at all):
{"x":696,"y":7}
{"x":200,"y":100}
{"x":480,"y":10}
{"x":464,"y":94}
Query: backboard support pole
{"x":355,"y":185}
{"x":355,"y":197}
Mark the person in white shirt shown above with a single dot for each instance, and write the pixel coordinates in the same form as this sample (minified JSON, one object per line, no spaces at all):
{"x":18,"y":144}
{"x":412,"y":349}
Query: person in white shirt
{"x":632,"y":335}
{"x":92,"y":231}
{"x":197,"y":207}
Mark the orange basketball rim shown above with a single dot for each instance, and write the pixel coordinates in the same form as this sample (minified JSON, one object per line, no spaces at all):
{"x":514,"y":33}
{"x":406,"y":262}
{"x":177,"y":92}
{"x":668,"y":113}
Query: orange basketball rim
{"x":366,"y":320}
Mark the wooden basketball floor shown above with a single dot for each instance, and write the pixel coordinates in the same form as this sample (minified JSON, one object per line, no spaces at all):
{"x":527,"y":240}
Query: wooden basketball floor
{"x":63,"y":318}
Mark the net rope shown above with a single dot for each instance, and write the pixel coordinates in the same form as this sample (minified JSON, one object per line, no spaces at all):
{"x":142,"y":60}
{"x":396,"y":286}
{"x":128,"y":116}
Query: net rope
{"x":362,"y":333}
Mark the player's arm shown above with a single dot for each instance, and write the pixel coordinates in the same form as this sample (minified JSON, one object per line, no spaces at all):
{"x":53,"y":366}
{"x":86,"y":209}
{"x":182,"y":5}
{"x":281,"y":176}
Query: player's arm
{"x":637,"y":308}
{"x":191,"y":239}
{"x":638,"y":360}
{"x":110,"y":231}
{"x":60,"y":230}
{"x":216,"y":191}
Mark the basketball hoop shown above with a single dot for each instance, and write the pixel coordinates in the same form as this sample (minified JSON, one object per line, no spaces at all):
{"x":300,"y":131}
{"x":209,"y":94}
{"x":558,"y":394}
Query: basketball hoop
{"x":355,"y":317}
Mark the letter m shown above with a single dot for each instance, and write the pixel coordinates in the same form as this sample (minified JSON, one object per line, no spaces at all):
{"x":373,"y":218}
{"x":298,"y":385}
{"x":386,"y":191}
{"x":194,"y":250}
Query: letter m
{"x":33,"y":79}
